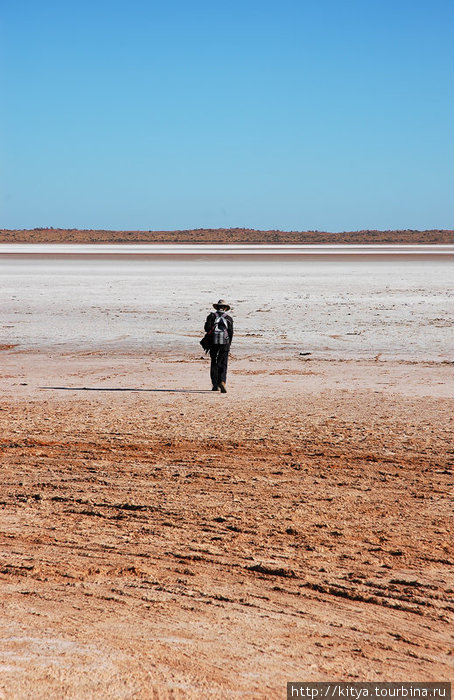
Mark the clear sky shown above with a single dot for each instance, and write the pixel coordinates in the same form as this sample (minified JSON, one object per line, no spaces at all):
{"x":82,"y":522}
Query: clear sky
{"x":291,"y":114}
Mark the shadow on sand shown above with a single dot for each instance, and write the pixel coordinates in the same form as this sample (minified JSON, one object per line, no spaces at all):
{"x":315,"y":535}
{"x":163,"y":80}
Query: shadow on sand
{"x":94,"y":388}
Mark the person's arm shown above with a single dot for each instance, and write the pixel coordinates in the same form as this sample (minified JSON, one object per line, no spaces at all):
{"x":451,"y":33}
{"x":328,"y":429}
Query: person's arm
{"x":230,"y":329}
{"x":209,"y":323}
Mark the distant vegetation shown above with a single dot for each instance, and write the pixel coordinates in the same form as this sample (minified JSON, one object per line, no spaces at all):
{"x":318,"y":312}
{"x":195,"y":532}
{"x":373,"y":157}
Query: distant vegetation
{"x":223,"y":235}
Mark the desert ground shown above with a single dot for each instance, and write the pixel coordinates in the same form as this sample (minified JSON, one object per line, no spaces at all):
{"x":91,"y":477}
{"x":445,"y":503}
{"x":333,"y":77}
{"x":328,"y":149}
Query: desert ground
{"x":222,"y":235}
{"x":160,"y":540}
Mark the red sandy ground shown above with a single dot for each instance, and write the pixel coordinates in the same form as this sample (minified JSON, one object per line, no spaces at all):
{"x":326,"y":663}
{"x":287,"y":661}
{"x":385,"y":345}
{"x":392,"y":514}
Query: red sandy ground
{"x":231,"y":235}
{"x":163,"y":541}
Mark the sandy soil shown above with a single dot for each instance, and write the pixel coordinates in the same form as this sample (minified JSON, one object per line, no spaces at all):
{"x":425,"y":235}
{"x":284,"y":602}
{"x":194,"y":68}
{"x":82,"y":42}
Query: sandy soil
{"x":159,"y":540}
{"x":222,"y":235}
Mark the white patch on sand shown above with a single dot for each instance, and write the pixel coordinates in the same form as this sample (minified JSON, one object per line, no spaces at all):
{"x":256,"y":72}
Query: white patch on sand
{"x":334,"y":307}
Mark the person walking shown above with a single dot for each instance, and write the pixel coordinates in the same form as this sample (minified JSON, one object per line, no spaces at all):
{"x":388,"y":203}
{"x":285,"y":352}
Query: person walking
{"x":220,"y":327}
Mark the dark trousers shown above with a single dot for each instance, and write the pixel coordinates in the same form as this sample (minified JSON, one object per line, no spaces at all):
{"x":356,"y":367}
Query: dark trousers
{"x":219,"y":357}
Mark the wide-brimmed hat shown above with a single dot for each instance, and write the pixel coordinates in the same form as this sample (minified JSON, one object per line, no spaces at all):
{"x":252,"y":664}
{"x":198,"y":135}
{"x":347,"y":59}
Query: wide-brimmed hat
{"x":222,"y":303}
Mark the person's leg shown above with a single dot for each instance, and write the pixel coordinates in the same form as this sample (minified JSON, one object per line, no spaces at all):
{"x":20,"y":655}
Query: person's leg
{"x":214,"y":366}
{"x":222,"y":366}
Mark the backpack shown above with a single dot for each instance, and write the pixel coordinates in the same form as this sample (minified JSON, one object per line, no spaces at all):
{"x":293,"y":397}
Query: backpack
{"x":220,"y":330}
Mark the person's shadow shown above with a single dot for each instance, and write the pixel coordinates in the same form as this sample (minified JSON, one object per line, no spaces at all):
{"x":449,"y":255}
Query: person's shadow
{"x":94,"y":388}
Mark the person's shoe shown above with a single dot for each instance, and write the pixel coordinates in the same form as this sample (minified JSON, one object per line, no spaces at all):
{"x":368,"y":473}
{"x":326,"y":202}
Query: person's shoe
{"x":214,"y":388}
{"x":222,"y":388}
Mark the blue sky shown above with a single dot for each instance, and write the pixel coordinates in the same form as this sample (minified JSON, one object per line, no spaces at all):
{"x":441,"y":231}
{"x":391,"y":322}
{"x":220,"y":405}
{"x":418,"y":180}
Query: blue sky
{"x":298,"y":114}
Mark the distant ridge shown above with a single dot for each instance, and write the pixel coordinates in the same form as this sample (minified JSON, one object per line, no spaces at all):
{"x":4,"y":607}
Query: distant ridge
{"x":225,"y":235}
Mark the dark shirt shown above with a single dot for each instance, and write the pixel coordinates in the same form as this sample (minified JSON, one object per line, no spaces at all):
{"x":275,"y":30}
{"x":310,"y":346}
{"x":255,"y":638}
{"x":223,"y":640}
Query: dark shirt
{"x":209,"y":323}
